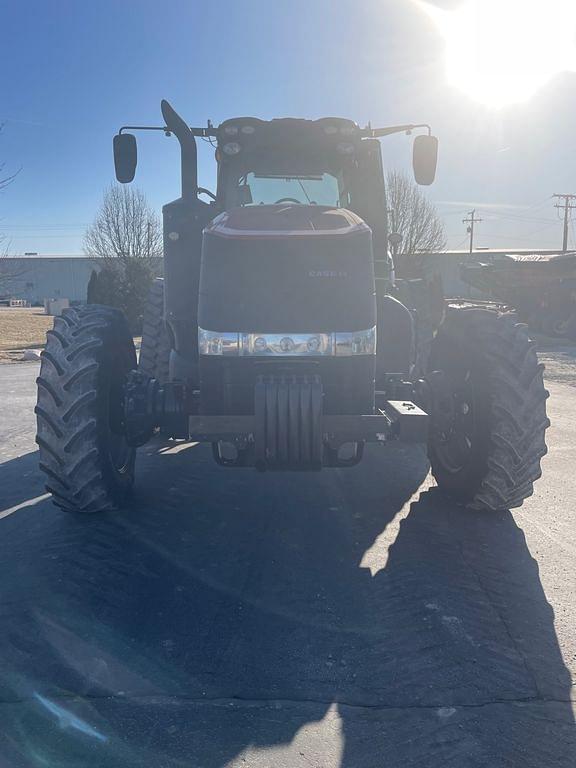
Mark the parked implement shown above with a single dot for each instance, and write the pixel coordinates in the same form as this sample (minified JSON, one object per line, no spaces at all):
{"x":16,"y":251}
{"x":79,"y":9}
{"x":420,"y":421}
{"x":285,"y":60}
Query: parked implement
{"x":277,"y":334}
{"x":540,"y":286}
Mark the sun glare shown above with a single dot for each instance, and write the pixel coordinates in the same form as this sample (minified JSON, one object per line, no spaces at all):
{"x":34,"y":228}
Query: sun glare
{"x":502,"y":52}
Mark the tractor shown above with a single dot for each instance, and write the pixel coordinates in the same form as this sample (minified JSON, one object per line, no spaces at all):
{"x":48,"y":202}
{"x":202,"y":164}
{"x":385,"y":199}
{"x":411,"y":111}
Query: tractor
{"x":278,"y":334}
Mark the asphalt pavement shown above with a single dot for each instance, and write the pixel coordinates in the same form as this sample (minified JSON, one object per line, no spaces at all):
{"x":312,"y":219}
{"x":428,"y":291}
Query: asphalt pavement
{"x":351,"y":618}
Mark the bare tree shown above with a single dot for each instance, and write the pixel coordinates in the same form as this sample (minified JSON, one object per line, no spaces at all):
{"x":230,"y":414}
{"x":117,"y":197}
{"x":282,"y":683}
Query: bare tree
{"x":10,"y":178}
{"x":414,"y":217}
{"x":10,"y":268}
{"x":125,"y":228}
{"x":126,"y":240}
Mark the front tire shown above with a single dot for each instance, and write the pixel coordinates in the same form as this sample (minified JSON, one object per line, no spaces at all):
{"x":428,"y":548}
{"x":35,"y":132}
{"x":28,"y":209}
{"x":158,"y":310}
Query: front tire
{"x":83,"y":452}
{"x":488,"y":408}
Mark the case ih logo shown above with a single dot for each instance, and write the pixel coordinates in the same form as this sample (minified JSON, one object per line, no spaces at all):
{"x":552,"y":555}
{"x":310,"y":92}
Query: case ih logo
{"x":326,"y":273}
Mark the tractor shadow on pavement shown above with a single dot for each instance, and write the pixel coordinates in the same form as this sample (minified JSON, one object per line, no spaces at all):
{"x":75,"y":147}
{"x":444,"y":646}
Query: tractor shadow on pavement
{"x":232,"y":618}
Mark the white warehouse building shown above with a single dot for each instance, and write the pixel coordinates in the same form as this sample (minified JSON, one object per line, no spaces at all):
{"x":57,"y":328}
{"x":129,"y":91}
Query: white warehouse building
{"x":34,"y":278}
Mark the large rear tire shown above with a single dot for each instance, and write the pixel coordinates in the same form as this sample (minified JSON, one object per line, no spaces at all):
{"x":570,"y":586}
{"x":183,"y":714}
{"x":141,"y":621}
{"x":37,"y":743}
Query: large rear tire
{"x":488,"y":409}
{"x":155,"y":349}
{"x":560,"y":326}
{"x":88,"y":464}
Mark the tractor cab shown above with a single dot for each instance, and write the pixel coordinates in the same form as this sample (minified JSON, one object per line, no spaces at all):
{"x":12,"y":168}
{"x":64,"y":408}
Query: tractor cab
{"x":306,"y":162}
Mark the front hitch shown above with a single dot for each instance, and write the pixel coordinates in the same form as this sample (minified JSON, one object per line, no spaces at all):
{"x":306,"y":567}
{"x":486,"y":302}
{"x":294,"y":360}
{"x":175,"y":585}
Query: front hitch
{"x":150,"y":404}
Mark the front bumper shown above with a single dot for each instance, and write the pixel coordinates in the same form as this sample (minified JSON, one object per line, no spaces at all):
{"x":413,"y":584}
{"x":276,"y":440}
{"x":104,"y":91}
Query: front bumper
{"x":399,"y":420}
{"x":287,"y":428}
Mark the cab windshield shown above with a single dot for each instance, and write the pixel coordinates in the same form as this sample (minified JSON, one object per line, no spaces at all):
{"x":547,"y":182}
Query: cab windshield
{"x":310,"y":189}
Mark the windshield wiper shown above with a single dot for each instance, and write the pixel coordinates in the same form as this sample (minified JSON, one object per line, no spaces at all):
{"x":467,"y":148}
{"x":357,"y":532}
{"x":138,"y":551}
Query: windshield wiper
{"x":303,"y":190}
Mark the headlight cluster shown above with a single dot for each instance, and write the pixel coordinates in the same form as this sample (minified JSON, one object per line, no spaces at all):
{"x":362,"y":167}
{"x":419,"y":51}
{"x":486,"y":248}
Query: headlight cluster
{"x":231,"y":135}
{"x":234,"y":130}
{"x":231,"y":148}
{"x":344,"y":130}
{"x":363,"y":343}
{"x":214,"y":343}
{"x":295,"y":345}
{"x":230,"y":131}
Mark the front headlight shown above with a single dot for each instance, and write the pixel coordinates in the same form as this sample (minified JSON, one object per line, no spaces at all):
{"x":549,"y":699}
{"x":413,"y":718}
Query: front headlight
{"x":287,"y":345}
{"x":231,"y":148}
{"x":356,"y":343}
{"x":215,"y":343}
{"x":283,"y":344}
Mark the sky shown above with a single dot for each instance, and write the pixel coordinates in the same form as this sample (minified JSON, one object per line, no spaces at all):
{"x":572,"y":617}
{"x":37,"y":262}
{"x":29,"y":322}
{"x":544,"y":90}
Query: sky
{"x":73,"y":72}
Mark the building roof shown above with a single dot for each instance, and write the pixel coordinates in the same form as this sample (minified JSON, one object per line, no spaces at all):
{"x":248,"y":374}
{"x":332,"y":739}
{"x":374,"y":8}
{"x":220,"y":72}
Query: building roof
{"x":49,"y":256}
{"x":479,"y":252}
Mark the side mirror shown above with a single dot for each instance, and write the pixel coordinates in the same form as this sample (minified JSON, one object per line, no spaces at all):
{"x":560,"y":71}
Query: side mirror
{"x":125,"y":157}
{"x":424,"y":159}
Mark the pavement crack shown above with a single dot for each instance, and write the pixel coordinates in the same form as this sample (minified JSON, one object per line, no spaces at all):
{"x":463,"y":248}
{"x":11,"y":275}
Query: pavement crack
{"x":487,"y":591}
{"x":278,"y":703}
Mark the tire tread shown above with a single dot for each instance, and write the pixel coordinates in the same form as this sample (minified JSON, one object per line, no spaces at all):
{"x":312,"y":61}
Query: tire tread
{"x":155,"y":348}
{"x":67,"y":409}
{"x":517,"y":395}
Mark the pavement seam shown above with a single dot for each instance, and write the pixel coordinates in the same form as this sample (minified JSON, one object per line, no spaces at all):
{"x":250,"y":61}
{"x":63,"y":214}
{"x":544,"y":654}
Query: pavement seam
{"x":238,"y":700}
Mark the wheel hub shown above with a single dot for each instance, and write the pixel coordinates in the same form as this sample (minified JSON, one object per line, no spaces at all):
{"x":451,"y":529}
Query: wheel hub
{"x":450,"y":404}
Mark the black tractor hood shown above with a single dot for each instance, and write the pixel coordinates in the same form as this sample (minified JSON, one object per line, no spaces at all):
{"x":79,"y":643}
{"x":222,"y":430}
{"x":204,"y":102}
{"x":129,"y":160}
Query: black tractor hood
{"x":287,"y":268}
{"x":285,"y":219}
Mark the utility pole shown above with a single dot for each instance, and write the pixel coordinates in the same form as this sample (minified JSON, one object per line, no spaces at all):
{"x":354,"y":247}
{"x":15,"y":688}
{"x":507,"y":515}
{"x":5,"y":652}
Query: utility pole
{"x":567,"y":208}
{"x":470,"y":229}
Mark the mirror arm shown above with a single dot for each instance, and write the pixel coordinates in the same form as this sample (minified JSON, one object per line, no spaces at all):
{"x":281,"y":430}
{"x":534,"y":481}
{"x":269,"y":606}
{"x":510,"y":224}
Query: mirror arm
{"x":202,"y":132}
{"x":376,"y":133}
{"x":185,"y":135}
{"x":142,"y":128}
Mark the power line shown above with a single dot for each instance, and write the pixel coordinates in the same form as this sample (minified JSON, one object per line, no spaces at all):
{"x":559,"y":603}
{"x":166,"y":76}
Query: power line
{"x":538,"y":206}
{"x":470,"y":229}
{"x":490,"y":207}
{"x":24,"y":230}
{"x":35,"y":225}
{"x":567,"y":207}
{"x":525,"y":238}
{"x":43,"y":237}
{"x":453,"y":213}
{"x":460,"y":244}
{"x":514,"y":217}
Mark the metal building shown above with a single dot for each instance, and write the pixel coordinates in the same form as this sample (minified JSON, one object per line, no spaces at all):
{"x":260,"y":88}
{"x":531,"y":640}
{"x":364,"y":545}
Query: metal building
{"x":35,"y":278}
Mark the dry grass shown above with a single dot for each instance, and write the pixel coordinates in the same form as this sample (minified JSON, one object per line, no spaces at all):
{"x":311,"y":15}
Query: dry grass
{"x":22,"y":329}
{"x":25,"y":329}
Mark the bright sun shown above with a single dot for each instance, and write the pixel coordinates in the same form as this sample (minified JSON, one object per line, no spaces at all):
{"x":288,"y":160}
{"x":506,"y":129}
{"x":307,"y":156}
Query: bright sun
{"x":501,"y":52}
